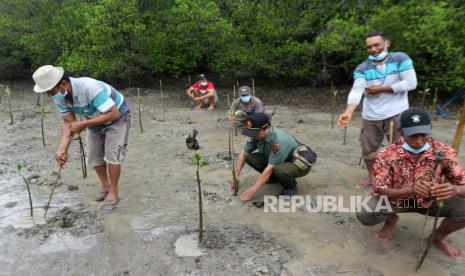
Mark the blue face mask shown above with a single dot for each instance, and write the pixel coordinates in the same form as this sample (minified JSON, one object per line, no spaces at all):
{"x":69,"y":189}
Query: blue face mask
{"x":60,"y":96}
{"x":408,"y":148}
{"x":246,"y":99}
{"x":381,"y":56}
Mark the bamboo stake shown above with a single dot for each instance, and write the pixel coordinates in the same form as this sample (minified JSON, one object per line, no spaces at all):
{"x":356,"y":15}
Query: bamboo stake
{"x":234,"y":92}
{"x":391,"y":132}
{"x":459,"y":131}
{"x":58,"y":176}
{"x":191,"y":101}
{"x":345,"y":136}
{"x":8,"y":96}
{"x":162,"y":101}
{"x":435,"y":103}
{"x":333,"y":105}
{"x":140,"y":111}
{"x":253,"y":87}
{"x":232,"y":158}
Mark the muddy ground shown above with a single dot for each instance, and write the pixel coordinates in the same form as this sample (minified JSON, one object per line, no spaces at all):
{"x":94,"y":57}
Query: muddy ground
{"x":158,"y":204}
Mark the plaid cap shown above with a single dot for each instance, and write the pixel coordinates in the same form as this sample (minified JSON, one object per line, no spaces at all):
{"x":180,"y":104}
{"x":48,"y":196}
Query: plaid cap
{"x":254,"y":123}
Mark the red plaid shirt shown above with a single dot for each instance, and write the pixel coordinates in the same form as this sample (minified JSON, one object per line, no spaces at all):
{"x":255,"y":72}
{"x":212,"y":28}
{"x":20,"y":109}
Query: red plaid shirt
{"x":395,"y":168}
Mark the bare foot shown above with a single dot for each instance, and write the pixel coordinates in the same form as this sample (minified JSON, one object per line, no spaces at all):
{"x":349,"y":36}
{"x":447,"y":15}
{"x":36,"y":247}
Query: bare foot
{"x":211,"y":108}
{"x":199,"y":106}
{"x":365,"y":183}
{"x":447,"y":248}
{"x":385,"y":234}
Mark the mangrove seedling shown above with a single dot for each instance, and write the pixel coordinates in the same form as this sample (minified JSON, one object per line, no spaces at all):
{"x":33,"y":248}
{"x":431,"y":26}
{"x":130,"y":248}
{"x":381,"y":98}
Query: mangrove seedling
{"x":232,"y":152}
{"x":82,"y":153}
{"x":43,"y":111}
{"x":197,"y":160}
{"x":440,"y":157}
{"x":344,"y":142}
{"x":139,"y":98}
{"x":424,"y":93}
{"x":19,"y":168}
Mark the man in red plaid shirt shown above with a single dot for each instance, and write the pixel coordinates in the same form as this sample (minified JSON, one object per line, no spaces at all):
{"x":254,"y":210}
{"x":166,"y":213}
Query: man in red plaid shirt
{"x":409,"y":174}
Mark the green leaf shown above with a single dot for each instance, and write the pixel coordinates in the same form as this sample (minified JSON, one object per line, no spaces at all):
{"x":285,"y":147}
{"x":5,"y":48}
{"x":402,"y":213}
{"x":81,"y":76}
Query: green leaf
{"x":19,"y":167}
{"x":204,"y":164}
{"x":197,"y":156}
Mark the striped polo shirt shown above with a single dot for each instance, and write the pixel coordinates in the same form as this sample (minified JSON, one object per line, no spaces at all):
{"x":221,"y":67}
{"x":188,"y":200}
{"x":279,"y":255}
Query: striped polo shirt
{"x":397,"y":72}
{"x":91,"y":98}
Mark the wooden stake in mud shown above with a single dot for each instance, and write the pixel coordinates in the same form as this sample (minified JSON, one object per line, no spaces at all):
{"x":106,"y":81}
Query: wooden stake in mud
{"x":7,"y":91}
{"x":391,"y":132}
{"x":253,"y":87}
{"x":140,"y":111}
{"x":162,"y":101}
{"x":234,"y":92}
{"x":459,"y":131}
{"x":333,"y":105}
{"x":345,"y":136}
{"x":70,"y":138}
{"x":82,"y":153}
{"x":191,"y":102}
{"x":434,"y":104}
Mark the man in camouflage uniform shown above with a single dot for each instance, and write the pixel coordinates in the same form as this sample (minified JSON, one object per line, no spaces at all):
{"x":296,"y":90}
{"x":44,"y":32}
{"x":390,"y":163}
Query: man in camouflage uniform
{"x":273,"y":159}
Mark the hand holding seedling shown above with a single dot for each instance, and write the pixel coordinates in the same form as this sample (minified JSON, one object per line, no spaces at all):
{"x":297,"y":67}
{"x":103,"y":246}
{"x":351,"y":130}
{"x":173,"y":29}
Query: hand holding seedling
{"x":443,"y":191}
{"x":61,"y":157}
{"x":232,"y":183}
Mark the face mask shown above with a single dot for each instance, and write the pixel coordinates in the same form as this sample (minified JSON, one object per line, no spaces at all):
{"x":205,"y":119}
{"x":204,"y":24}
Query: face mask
{"x":204,"y":83}
{"x":408,"y":148}
{"x":246,"y":99}
{"x":381,"y":56}
{"x":60,"y":96}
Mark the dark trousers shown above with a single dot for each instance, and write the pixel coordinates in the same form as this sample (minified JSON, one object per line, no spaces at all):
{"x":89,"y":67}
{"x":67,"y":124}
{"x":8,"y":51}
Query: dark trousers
{"x":285,"y":173}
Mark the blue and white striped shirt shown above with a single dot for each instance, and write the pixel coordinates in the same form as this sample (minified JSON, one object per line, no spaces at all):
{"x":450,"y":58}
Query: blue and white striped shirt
{"x":397,"y":72}
{"x":91,"y":98}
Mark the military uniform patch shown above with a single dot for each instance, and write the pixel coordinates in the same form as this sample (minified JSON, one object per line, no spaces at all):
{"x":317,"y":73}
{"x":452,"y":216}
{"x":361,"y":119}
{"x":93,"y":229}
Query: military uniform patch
{"x":275,"y":148}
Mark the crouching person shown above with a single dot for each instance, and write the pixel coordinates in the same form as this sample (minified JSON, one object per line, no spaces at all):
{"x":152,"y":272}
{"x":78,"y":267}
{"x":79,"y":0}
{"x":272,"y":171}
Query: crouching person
{"x":409,"y":173}
{"x":275,"y":159}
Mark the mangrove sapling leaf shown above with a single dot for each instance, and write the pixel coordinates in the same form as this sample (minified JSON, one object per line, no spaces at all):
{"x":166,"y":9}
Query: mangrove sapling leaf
{"x":19,"y":168}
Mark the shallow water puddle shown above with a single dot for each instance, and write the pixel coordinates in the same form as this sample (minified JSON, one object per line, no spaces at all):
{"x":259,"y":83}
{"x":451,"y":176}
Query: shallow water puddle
{"x":23,"y":219}
{"x":60,"y":243}
{"x":187,"y":246}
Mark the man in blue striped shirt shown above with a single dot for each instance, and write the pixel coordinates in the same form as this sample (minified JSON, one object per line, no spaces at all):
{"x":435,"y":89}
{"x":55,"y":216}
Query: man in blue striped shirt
{"x":106,"y":114}
{"x":384,"y":79}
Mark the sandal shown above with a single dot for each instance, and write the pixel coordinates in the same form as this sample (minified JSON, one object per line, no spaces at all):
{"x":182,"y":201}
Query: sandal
{"x":108,"y":204}
{"x":101,"y":196}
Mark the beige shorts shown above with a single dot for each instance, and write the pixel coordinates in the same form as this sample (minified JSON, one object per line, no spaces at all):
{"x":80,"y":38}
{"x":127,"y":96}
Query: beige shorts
{"x":108,"y":144}
{"x":372,"y":134}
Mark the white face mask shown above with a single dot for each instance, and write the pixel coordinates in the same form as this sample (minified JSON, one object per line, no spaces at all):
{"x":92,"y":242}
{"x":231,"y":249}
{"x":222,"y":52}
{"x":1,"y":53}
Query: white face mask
{"x":204,"y":83}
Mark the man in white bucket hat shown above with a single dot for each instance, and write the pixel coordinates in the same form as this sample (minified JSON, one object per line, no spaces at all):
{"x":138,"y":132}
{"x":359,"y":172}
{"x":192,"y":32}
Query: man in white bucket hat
{"x":107,"y":122}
